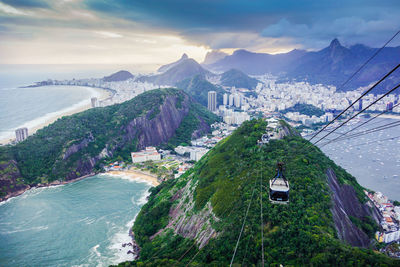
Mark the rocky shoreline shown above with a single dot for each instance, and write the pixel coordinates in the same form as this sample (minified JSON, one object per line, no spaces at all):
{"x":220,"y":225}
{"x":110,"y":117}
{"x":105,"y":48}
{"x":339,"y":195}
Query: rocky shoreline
{"x":135,"y":247}
{"x":54,"y":183}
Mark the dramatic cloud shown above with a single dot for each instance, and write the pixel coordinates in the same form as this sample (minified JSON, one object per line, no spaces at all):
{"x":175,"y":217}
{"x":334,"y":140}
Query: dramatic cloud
{"x":27,"y":3}
{"x":147,"y":29}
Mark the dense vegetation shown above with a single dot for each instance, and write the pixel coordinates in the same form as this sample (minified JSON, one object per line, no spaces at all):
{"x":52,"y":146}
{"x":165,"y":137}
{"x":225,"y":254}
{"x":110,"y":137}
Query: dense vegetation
{"x":301,"y":233}
{"x":43,"y":157}
{"x":238,"y":79}
{"x":305,"y":109}
{"x":198,"y":88}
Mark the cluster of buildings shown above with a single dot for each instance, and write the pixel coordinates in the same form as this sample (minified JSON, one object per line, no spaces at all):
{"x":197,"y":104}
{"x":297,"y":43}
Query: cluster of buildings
{"x":121,"y":90}
{"x":307,"y":120}
{"x":390,"y":218}
{"x":149,"y":153}
{"x":275,"y":96}
{"x":229,"y":110}
{"x":115,"y":166}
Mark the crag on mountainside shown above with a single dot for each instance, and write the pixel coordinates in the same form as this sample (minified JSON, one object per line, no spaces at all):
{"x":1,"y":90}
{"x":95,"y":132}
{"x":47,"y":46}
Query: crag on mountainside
{"x":77,"y":145}
{"x":196,"y":219}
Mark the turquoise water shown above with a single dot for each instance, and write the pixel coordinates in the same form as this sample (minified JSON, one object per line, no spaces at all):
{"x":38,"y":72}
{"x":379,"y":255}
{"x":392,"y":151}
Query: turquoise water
{"x":79,"y":224}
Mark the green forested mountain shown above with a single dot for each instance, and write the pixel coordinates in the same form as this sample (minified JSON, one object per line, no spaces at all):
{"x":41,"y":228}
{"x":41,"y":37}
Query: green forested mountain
{"x":195,"y":220}
{"x":305,"y":109}
{"x":198,"y":88}
{"x":234,"y":77}
{"x":77,"y":145}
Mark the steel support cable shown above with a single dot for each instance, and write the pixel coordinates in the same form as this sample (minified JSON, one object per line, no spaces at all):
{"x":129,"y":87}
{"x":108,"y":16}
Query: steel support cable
{"x":360,"y":125}
{"x":361,"y":111}
{"x":351,"y":77}
{"x":261,"y":218}
{"x":244,"y":222}
{"x":377,"y":141}
{"x":377,"y":129}
{"x":225,"y":211}
{"x":352,"y":104}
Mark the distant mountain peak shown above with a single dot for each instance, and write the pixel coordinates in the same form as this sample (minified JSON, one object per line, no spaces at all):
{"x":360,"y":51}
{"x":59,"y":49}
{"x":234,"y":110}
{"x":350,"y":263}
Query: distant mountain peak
{"x":166,"y":67}
{"x":119,"y":76}
{"x":335,"y":43}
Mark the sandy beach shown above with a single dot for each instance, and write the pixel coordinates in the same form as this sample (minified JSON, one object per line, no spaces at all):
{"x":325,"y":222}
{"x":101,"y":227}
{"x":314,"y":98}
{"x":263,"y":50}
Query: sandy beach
{"x":102,"y":94}
{"x":136,"y":175}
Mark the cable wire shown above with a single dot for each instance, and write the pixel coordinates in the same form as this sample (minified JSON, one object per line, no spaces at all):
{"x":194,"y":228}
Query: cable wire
{"x":351,"y":77}
{"x":244,"y":222}
{"x":360,"y":125}
{"x":352,"y":117}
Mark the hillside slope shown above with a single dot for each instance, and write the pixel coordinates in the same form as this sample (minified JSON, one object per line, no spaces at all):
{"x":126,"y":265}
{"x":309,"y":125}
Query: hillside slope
{"x":238,"y":79}
{"x":175,"y":72}
{"x":198,"y":88}
{"x":77,"y":145}
{"x":196,"y":219}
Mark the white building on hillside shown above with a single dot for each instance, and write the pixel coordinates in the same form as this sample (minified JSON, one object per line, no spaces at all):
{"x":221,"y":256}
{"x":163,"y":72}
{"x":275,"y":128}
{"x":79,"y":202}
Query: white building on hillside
{"x":150,"y":153}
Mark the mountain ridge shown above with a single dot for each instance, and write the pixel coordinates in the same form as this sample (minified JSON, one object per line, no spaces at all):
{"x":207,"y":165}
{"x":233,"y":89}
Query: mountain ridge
{"x":196,"y":219}
{"x":331,"y":65}
{"x":78,"y":145}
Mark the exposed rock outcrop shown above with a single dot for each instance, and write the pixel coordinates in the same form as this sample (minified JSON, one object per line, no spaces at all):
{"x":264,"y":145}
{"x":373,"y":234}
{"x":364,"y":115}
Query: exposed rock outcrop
{"x":10,"y":180}
{"x":192,"y":225}
{"x":346,"y":204}
{"x":155,"y":127}
{"x":161,"y":128}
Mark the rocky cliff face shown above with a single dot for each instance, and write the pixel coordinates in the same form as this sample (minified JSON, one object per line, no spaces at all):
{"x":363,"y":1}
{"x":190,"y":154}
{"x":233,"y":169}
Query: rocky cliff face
{"x":148,"y":130}
{"x":75,"y":146}
{"x":195,"y":226}
{"x":198,"y":218}
{"x":11,"y":182}
{"x":346,"y":204}
{"x":159,"y":129}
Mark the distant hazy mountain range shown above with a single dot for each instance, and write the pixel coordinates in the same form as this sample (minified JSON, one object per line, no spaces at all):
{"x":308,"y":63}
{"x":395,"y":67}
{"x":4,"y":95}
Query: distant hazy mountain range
{"x":331,"y":65}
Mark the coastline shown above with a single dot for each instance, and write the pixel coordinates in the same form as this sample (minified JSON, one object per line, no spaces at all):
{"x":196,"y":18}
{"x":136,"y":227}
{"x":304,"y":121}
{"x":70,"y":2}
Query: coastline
{"x":135,"y":175}
{"x":102,"y":95}
{"x":54,"y":183}
{"x":131,"y":174}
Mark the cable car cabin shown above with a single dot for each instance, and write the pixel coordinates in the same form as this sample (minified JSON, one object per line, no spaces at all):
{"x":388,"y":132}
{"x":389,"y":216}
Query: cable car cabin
{"x":279,"y":187}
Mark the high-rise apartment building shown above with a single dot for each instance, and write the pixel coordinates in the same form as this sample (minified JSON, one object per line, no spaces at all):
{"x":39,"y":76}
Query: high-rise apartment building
{"x":21,"y":134}
{"x":212,"y":101}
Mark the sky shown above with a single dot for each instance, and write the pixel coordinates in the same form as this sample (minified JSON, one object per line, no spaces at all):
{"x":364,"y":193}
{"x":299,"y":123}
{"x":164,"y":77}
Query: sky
{"x":158,"y":32}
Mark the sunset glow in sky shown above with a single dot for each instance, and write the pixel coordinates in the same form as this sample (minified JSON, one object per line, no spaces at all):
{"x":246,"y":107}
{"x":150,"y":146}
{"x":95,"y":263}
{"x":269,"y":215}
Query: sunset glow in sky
{"x":154,"y":32}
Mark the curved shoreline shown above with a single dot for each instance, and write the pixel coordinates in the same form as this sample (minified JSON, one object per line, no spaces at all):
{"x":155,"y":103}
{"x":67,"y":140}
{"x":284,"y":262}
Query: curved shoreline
{"x":103,"y":94}
{"x":131,"y":174}
{"x":54,"y":183}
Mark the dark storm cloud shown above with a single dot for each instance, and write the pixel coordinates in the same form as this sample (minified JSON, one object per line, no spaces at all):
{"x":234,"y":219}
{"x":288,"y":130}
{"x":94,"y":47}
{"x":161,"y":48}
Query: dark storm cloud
{"x":27,"y":3}
{"x":308,"y":23}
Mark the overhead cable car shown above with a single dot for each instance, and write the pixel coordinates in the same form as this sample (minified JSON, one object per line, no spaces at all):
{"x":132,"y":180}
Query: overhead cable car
{"x":279,"y":187}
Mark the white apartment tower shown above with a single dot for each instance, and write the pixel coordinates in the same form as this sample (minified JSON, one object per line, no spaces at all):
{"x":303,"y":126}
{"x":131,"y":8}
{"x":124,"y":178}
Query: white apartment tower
{"x":95,"y":102}
{"x":212,"y":101}
{"x":225,"y":102}
{"x":21,"y":134}
{"x":237,"y":101}
{"x":230,"y":100}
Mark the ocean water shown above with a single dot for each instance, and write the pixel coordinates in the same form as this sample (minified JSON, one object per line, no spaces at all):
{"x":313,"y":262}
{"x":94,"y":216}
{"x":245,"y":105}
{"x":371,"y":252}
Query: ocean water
{"x":376,"y":165}
{"x":79,"y":224}
{"x":30,"y":107}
